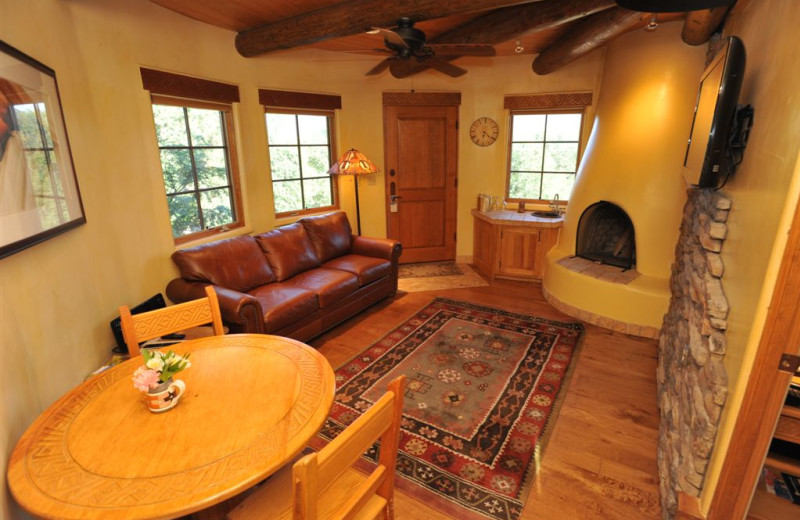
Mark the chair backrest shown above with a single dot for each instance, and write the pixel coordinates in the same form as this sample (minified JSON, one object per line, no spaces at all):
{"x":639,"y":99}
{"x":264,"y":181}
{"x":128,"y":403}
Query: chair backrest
{"x":153,"y":324}
{"x":313,"y":472}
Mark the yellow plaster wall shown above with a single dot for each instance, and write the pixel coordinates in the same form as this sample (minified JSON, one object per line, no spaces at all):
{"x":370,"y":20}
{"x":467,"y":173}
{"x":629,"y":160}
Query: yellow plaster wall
{"x":634,"y":159}
{"x":764,"y":193}
{"x":57,"y":298}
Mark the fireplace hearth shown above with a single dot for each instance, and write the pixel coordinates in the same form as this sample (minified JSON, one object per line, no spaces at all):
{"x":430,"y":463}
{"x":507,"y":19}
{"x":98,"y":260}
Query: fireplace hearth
{"x":605,"y":234}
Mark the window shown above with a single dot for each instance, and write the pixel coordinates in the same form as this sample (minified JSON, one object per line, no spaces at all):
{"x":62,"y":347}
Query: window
{"x":48,"y":189}
{"x":543,"y":154}
{"x":199,"y":167}
{"x":300,"y":154}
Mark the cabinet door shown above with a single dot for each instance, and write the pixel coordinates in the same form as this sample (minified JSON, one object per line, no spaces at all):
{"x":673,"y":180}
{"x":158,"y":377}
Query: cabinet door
{"x":483,"y":247}
{"x":518,"y":252}
{"x":546,"y":239}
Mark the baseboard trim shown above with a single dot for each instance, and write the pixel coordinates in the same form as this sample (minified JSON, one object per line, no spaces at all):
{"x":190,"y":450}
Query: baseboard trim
{"x":689,"y":508}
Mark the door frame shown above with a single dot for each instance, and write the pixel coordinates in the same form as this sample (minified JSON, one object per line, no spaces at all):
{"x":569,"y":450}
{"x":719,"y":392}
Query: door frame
{"x":423,"y":99}
{"x":765,"y":391}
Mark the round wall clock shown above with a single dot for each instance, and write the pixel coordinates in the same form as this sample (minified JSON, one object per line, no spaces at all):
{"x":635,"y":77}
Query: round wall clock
{"x":484,"y":131}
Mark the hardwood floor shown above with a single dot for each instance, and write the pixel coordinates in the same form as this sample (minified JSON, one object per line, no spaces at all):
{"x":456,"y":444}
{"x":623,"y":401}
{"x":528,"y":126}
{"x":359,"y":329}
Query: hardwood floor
{"x":600,"y":463}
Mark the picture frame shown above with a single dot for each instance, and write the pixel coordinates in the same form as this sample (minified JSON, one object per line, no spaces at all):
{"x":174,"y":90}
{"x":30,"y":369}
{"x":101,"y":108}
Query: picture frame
{"x":39,"y":193}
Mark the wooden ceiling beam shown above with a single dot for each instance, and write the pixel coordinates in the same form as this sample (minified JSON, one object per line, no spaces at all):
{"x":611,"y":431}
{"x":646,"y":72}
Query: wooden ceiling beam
{"x":508,"y":23}
{"x":700,"y":25}
{"x":587,"y":35}
{"x":352,"y":17}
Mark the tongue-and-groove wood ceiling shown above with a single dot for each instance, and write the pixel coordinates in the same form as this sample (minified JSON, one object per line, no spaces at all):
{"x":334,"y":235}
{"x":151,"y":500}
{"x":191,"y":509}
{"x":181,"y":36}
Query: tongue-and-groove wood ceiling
{"x":559,"y":31}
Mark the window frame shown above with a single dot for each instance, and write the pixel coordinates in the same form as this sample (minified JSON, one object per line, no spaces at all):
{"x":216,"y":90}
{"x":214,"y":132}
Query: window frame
{"x":229,"y":136}
{"x":331,"y":115}
{"x":544,"y":111}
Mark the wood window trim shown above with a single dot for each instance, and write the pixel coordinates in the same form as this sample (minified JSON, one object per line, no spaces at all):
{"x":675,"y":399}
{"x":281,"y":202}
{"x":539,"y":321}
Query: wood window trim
{"x":233,"y":164}
{"x":553,"y":101}
{"x":188,"y":87}
{"x":422,"y":98}
{"x":299,"y":100}
{"x":331,"y":115}
{"x":523,"y":111}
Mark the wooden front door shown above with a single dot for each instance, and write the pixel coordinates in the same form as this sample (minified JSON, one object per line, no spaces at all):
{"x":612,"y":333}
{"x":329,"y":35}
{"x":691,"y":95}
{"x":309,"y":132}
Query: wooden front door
{"x":421,"y":166}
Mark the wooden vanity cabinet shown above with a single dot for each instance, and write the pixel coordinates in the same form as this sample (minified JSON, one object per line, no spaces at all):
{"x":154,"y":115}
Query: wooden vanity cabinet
{"x":512,"y":249}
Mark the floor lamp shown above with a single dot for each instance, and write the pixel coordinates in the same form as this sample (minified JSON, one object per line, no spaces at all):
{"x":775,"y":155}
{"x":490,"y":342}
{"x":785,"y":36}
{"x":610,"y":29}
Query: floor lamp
{"x":354,"y":163}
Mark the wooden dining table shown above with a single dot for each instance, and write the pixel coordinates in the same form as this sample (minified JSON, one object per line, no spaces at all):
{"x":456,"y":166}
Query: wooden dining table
{"x":252,"y":403}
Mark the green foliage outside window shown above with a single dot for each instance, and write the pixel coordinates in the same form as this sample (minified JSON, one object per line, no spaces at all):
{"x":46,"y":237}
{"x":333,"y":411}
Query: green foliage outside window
{"x":300,"y":156}
{"x":194,"y":162}
{"x":544,"y":155}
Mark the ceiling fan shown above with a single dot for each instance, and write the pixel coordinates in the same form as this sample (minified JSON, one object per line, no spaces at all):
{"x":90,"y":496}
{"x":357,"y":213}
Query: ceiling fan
{"x":411,"y":51}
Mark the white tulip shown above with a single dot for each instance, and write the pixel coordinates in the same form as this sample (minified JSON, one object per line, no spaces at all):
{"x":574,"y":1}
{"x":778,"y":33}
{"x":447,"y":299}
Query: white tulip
{"x":155,"y":363}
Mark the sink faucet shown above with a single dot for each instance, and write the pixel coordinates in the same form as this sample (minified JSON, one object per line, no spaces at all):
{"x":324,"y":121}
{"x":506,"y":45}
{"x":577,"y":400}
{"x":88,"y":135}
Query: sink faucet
{"x":554,"y":205}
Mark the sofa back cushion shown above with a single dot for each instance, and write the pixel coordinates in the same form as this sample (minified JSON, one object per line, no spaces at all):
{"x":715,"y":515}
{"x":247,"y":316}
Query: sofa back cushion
{"x":235,"y":263}
{"x":288,"y":250}
{"x":330,"y":234}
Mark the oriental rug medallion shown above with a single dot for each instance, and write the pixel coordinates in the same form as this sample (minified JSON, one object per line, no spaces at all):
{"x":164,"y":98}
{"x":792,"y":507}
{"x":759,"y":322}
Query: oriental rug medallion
{"x":482,"y":392}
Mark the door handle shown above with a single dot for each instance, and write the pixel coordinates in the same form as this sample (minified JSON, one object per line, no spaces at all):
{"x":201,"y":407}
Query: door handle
{"x":394,"y":198}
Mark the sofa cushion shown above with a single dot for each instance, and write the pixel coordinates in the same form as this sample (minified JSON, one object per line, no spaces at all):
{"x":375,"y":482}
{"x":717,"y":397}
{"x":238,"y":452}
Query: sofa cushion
{"x":235,"y":263}
{"x":283,"y":304}
{"x":331,"y":285}
{"x":330,"y":234}
{"x":289,"y":250}
{"x":367,"y":268}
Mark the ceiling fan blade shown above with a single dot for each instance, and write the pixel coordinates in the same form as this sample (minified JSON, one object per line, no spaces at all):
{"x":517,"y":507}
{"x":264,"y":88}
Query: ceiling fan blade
{"x":445,"y":66}
{"x":380,"y":67}
{"x":390,"y":36}
{"x":454,"y":49}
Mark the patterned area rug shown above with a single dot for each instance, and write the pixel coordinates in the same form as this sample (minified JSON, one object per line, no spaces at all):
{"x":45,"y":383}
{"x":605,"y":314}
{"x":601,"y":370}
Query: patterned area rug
{"x":482,"y":393}
{"x":428,"y":269}
{"x":436,"y":276}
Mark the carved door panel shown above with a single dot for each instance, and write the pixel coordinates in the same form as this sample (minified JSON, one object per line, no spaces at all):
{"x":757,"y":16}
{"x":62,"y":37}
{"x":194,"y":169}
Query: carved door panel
{"x":421,"y":177}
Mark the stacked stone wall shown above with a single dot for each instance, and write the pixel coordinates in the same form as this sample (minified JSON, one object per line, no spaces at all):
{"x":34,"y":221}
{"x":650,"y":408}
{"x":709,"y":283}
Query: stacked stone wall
{"x":692,"y":381}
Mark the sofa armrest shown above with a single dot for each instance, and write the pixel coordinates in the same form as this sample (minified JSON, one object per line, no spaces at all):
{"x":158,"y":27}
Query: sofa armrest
{"x":385,"y":248}
{"x":240,"y":311}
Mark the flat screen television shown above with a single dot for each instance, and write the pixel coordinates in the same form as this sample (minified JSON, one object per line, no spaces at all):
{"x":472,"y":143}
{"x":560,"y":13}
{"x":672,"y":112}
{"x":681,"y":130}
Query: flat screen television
{"x":708,"y":162}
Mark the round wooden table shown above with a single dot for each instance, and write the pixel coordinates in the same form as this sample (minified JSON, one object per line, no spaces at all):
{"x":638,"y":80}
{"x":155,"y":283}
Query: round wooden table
{"x":252,"y":402}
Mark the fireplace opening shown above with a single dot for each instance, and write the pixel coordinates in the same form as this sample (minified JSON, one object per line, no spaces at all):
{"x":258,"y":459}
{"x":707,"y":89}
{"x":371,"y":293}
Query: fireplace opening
{"x":605,"y":235}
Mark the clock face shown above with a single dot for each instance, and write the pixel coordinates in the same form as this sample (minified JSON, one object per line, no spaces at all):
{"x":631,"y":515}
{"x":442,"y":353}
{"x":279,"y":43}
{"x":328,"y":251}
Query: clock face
{"x":484,"y":131}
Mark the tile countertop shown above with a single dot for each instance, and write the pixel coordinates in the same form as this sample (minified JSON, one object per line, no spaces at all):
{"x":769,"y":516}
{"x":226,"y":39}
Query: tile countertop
{"x":513,"y":218}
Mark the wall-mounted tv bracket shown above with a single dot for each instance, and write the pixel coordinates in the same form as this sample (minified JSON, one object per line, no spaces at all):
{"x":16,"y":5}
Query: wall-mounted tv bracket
{"x":737,"y":139}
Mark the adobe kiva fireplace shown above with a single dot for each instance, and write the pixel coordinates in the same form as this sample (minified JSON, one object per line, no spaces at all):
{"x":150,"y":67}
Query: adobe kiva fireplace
{"x":629,"y":179}
{"x":606,"y":235}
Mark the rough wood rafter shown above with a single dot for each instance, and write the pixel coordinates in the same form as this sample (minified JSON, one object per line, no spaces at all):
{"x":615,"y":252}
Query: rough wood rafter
{"x":700,"y":25}
{"x":508,"y":23}
{"x":338,"y":20}
{"x":587,"y":35}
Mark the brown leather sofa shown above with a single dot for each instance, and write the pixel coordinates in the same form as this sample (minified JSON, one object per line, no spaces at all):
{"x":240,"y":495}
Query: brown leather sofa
{"x":297,"y":281}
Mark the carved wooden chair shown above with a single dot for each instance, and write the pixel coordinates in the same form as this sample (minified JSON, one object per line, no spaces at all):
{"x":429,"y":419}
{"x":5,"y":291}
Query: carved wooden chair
{"x":324,"y":485}
{"x":153,"y":324}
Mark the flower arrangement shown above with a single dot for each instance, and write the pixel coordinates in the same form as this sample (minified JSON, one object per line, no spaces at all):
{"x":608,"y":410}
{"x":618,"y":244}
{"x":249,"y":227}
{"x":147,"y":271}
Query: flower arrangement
{"x":158,"y":368}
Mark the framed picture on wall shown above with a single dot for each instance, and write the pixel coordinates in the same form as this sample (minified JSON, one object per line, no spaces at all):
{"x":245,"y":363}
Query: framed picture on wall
{"x":39,"y":195}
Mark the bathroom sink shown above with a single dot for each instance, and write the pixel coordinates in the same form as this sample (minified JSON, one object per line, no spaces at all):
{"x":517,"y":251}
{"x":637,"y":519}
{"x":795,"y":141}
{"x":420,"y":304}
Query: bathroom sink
{"x":546,"y":214}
